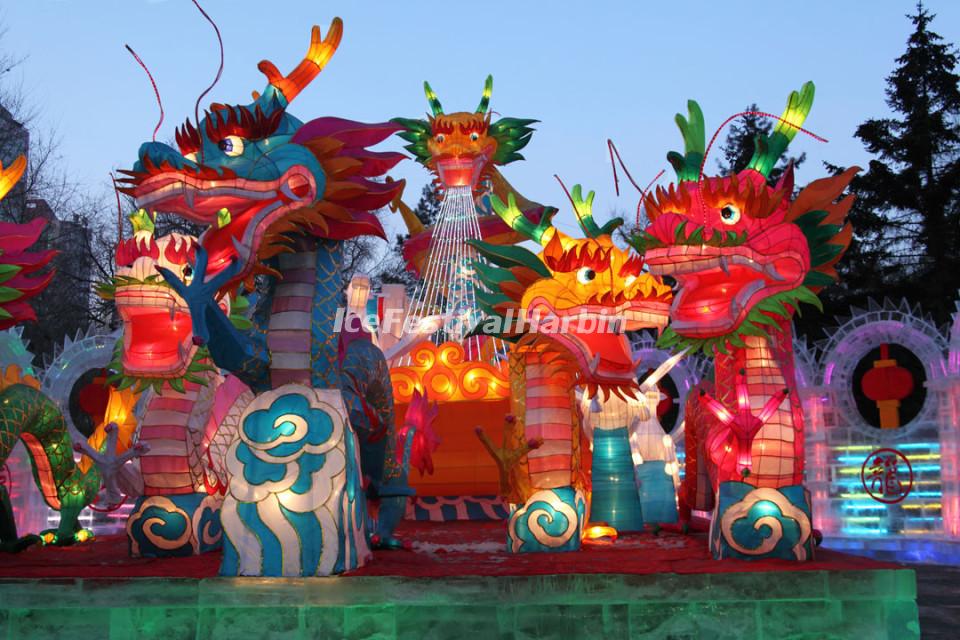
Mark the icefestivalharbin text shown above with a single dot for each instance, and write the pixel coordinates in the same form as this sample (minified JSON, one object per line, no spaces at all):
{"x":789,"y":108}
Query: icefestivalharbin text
{"x":583,"y":322}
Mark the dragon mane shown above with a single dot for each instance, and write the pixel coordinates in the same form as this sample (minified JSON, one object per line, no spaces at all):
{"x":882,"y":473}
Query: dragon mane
{"x":511,"y":134}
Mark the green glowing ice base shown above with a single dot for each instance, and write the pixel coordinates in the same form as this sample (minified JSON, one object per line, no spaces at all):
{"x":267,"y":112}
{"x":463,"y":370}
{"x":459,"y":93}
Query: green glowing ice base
{"x":799,"y":604}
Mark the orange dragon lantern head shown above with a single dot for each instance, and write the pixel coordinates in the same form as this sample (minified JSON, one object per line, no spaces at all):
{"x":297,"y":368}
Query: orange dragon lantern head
{"x":460,"y":148}
{"x":578,"y":294}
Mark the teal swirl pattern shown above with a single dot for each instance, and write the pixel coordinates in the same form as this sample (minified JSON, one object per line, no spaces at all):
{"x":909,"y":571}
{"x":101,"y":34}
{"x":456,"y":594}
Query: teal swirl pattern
{"x":292,"y":504}
{"x":551,"y":520}
{"x":751,"y":523}
{"x":174,"y":526}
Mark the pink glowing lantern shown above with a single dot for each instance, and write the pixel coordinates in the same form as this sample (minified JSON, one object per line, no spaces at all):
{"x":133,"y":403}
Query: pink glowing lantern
{"x":419,"y":418}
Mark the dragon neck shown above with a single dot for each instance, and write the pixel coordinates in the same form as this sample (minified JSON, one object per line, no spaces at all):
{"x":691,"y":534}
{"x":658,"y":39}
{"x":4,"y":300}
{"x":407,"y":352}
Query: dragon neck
{"x":502,"y":188}
{"x":175,"y":424}
{"x":768,"y":363}
{"x":304,"y":302}
{"x":549,"y":409}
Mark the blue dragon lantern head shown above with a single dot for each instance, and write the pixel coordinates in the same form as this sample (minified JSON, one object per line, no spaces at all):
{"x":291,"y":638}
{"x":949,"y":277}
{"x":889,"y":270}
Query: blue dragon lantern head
{"x":253,"y":174}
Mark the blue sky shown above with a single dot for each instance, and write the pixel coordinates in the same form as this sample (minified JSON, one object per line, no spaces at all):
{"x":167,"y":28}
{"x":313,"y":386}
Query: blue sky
{"x":586,"y":70}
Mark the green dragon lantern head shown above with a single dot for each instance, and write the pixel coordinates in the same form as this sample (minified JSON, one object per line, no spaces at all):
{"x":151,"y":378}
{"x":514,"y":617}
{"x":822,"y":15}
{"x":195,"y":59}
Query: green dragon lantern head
{"x":743,"y":252}
{"x":578,"y":295}
{"x":254,"y":174}
{"x":460,"y":148}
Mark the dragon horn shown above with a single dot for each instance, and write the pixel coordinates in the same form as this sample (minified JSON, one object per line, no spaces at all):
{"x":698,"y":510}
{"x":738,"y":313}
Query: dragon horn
{"x":584,"y":211}
{"x":432,"y":98}
{"x":768,"y":149}
{"x":318,"y":55}
{"x":10,"y":174}
{"x":694,"y":133}
{"x":485,"y":98}
{"x":140,"y":220}
{"x":511,"y":214}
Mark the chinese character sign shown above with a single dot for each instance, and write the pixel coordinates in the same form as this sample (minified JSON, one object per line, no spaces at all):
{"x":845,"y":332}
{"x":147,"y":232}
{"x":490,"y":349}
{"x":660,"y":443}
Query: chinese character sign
{"x":887,"y":476}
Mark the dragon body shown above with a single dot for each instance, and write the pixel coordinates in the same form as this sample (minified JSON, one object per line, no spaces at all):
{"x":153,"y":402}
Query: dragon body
{"x":279,"y":197}
{"x":566,"y":310}
{"x":745,"y":255}
{"x":186,"y":428}
{"x":31,"y":417}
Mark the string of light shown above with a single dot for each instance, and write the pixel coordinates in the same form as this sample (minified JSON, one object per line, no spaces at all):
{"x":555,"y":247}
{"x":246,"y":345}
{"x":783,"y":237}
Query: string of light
{"x":448,"y":287}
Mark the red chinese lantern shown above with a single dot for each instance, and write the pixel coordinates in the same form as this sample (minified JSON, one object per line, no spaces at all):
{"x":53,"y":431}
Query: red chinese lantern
{"x":887,"y":384}
{"x":93,"y":398}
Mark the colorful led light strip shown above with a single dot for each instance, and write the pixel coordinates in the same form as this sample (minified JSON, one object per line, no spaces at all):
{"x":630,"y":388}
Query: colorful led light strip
{"x":933,"y":446}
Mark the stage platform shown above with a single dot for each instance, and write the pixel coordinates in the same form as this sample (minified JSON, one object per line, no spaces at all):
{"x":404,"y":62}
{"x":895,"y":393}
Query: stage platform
{"x":458,"y":582}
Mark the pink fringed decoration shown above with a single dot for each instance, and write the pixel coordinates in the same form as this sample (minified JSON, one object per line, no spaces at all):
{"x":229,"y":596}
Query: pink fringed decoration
{"x":420,"y":416}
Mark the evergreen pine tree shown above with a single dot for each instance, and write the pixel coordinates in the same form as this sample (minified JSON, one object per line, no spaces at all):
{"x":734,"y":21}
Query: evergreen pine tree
{"x":906,"y":218}
{"x":428,"y":207}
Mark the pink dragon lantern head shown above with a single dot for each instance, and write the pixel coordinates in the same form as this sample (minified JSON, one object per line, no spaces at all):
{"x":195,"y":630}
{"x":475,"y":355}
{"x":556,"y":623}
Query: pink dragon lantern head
{"x":742,"y":251}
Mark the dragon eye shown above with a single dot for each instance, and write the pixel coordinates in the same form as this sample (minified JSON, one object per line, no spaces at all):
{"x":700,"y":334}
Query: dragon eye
{"x":192,"y":156}
{"x":474,"y":136}
{"x":187,"y":274}
{"x":441,"y":137}
{"x":730,"y":214}
{"x":231,"y":146}
{"x":585,"y":275}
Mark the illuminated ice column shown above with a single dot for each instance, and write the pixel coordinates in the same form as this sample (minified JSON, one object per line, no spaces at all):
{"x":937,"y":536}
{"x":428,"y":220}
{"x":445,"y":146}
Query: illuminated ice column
{"x":814,"y":399}
{"x":614,"y":496}
{"x":949,"y":421}
{"x":358,"y":292}
{"x":634,"y":469}
{"x":950,"y":435}
{"x":656,"y":468}
{"x":358,"y":297}
{"x":29,"y":509}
